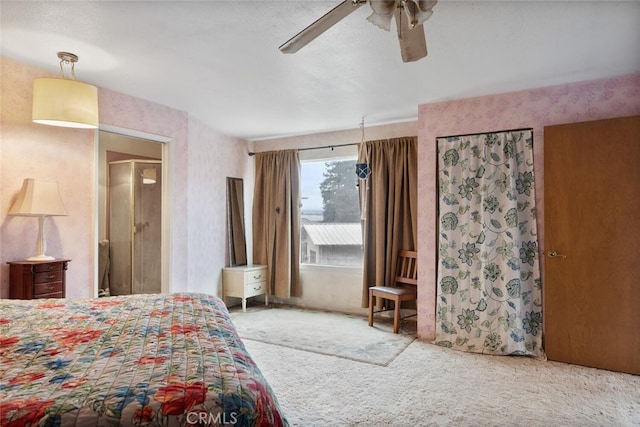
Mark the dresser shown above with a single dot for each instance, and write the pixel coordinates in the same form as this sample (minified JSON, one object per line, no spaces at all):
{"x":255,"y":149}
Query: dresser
{"x":37,"y":279}
{"x":245,"y":281}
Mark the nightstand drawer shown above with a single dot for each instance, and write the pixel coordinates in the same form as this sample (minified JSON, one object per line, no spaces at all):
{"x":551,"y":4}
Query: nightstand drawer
{"x":49,"y":266}
{"x":255,"y":288}
{"x":254,"y":276}
{"x":47,"y":288}
{"x":45,"y":296}
{"x":50,"y":276}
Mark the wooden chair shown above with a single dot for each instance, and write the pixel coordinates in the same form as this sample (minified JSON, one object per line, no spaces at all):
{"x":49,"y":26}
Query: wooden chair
{"x":403,"y":288}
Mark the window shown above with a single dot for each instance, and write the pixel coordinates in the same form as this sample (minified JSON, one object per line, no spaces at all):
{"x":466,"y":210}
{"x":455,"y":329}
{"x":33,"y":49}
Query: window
{"x":331,"y":233}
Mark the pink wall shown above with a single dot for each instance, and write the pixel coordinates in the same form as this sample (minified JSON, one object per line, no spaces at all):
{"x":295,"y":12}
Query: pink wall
{"x":535,"y":108}
{"x":211,"y":161}
{"x":48,"y":153}
{"x":69,"y":155}
{"x":201,"y":159}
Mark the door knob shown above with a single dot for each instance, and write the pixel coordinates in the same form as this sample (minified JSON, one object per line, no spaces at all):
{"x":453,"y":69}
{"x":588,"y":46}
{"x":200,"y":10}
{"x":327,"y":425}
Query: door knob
{"x":554,"y":254}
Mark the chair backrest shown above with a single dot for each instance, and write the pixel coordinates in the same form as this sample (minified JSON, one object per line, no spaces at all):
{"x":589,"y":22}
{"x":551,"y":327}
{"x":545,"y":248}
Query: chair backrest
{"x":406,"y":268}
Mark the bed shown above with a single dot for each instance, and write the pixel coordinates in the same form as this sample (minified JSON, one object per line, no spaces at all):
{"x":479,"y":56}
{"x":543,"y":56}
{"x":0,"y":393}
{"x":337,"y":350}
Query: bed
{"x":142,"y":360}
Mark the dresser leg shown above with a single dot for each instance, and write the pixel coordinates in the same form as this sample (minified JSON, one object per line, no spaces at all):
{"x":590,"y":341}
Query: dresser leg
{"x":266,"y":299}
{"x":244,"y":304}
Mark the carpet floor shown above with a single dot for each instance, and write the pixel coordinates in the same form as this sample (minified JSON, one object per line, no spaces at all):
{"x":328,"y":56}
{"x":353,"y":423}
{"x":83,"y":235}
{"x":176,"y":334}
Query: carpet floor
{"x":426,"y":385}
{"x":324,"y":332}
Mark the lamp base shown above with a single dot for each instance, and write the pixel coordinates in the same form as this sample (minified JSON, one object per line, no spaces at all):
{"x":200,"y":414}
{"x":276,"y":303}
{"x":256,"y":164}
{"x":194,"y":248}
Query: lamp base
{"x":41,"y":258}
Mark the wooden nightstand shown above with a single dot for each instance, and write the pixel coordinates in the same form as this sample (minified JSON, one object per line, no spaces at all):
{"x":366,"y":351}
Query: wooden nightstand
{"x":245,"y":281}
{"x":37,"y":279}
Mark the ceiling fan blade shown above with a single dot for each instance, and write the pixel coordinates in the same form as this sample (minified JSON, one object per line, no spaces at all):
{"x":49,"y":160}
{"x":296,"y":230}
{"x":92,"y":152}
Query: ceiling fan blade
{"x":321,"y":25}
{"x":413,"y":44}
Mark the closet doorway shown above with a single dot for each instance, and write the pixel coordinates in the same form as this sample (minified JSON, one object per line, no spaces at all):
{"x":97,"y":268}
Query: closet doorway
{"x":130,"y":214}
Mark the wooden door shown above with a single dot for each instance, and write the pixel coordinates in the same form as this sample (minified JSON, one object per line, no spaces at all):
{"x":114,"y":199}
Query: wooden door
{"x":592,"y":221}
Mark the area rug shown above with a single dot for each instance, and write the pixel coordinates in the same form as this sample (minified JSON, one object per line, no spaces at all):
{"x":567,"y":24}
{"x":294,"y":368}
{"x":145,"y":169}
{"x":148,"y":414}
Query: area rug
{"x":322,"y":332}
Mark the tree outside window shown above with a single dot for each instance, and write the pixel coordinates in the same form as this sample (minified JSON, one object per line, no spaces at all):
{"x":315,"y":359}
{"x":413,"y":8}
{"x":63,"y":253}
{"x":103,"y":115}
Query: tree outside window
{"x":331,"y":232}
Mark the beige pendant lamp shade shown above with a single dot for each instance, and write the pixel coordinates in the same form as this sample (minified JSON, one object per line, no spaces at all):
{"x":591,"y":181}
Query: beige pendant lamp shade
{"x":149,"y":176}
{"x":40,"y":199}
{"x":65,"y":102}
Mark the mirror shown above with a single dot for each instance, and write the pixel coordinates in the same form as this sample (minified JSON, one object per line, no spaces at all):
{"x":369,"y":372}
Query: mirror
{"x":235,"y":221}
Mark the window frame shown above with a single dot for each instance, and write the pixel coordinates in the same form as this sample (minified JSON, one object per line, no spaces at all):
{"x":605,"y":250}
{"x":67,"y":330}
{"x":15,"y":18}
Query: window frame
{"x":326,"y":154}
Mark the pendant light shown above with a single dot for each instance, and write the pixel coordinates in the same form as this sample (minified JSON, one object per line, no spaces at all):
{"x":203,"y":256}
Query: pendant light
{"x":65,"y":101}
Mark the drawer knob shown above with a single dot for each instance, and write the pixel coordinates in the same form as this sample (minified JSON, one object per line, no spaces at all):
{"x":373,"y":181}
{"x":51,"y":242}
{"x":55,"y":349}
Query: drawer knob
{"x":257,"y":288}
{"x":51,"y":276}
{"x":257,"y":277}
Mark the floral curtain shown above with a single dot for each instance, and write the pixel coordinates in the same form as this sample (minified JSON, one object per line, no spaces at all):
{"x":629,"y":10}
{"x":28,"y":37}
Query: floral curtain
{"x":489,"y":294}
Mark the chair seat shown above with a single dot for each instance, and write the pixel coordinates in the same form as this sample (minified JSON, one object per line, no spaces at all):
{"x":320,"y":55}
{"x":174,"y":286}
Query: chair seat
{"x":393,"y":291}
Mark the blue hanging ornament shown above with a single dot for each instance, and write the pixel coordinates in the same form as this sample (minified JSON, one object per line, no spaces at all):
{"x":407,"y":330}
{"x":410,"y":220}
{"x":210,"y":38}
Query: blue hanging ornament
{"x":363,"y":170}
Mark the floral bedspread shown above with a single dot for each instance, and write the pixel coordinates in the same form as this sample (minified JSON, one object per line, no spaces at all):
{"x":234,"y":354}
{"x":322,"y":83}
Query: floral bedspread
{"x":143,"y":360}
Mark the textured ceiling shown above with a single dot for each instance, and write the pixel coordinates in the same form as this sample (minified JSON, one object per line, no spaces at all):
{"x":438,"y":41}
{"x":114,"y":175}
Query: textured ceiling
{"x":219,"y":60}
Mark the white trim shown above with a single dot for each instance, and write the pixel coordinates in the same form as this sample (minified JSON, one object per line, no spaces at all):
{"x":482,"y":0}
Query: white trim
{"x":135,"y":134}
{"x":318,"y":268}
{"x":166,"y":200}
{"x":167,"y":203}
{"x":96,"y":216}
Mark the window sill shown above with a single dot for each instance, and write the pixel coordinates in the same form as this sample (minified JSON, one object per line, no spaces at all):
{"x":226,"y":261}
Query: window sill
{"x":331,"y":268}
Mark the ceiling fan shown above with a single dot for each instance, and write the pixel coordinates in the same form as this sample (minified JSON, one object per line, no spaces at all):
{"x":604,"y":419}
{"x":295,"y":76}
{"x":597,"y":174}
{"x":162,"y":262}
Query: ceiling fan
{"x":413,"y":45}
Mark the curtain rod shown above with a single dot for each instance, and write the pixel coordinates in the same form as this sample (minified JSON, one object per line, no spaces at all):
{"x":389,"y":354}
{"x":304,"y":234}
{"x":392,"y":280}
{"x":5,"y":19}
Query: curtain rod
{"x":483,"y":133}
{"x":318,"y":148}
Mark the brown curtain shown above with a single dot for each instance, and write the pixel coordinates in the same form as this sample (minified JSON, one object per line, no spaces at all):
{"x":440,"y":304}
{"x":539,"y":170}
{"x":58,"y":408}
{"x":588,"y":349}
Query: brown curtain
{"x":389,"y":207}
{"x":276,"y":228}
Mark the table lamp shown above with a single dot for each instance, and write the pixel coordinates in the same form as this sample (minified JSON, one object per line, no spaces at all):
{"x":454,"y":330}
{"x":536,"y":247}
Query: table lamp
{"x":41,"y":199}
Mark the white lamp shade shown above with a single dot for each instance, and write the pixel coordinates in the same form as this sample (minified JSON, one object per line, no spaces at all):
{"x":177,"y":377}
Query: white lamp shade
{"x":65,"y":102}
{"x":38,"y":198}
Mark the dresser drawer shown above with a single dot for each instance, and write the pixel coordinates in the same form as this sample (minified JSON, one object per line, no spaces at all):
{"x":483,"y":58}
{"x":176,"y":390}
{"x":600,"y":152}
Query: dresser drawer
{"x":54,"y":295}
{"x":49,"y":276}
{"x":49,"y":266}
{"x":255,"y":288}
{"x":254,"y":276}
{"x":47,"y":288}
